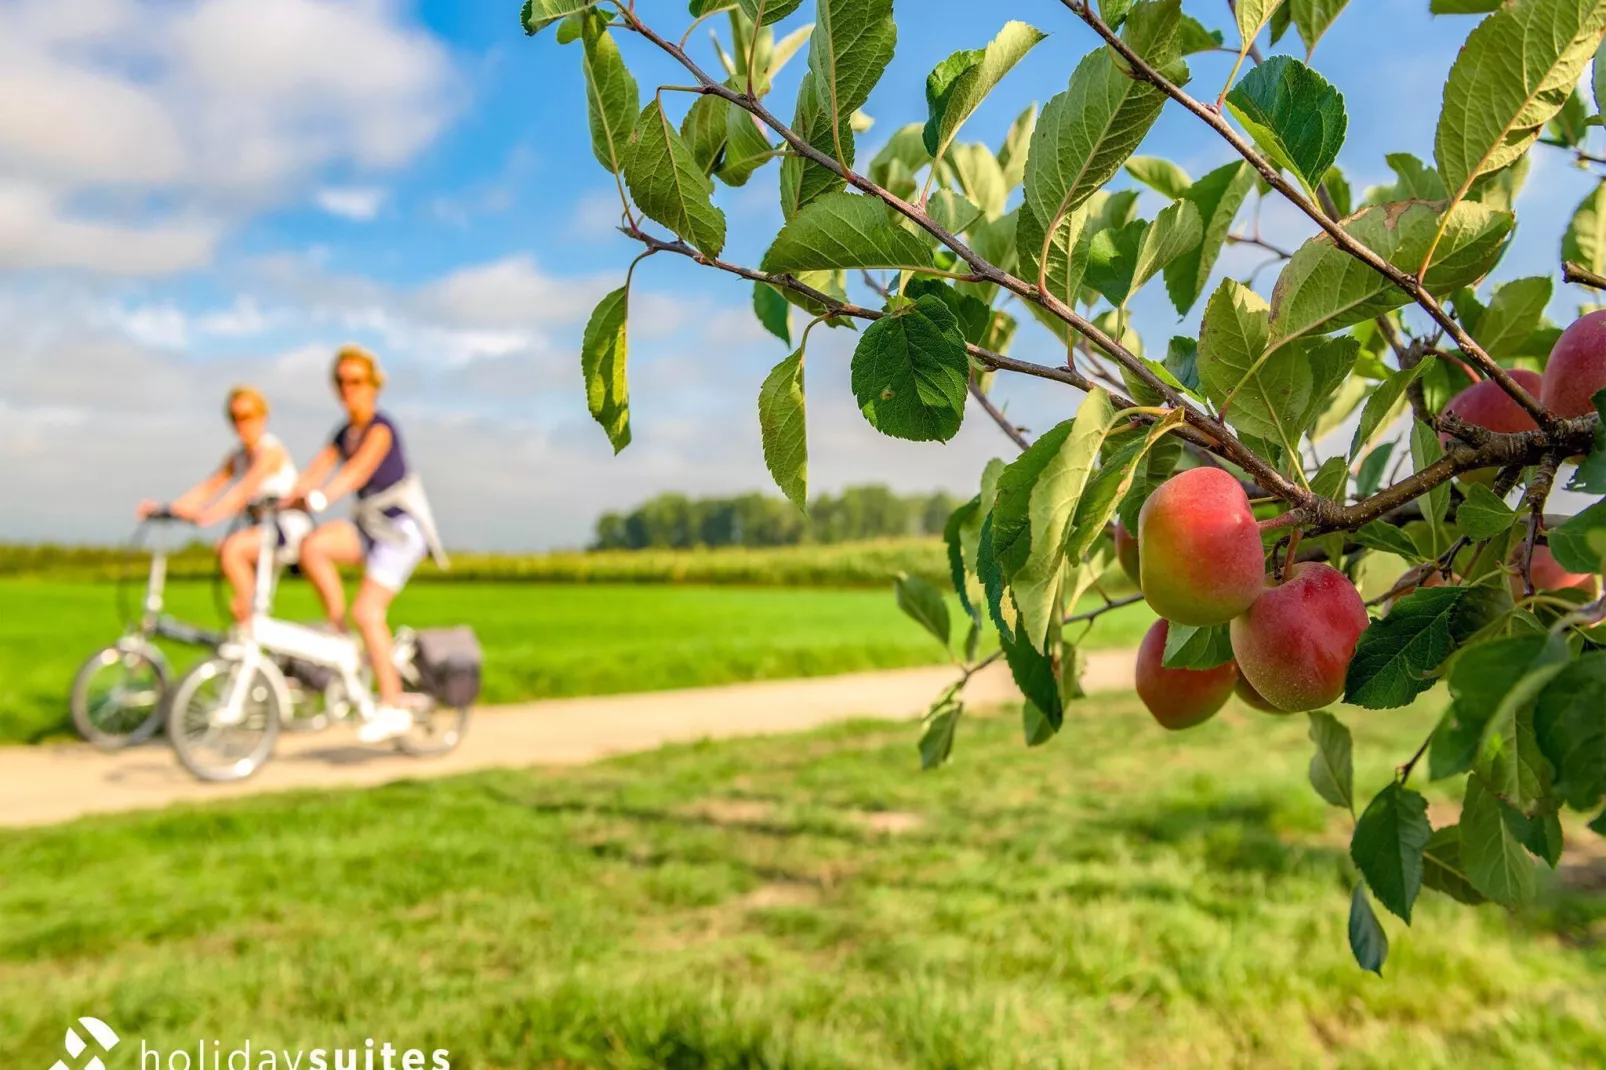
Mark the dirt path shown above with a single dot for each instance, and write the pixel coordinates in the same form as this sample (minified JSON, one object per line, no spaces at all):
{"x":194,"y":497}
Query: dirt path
{"x":44,"y":785}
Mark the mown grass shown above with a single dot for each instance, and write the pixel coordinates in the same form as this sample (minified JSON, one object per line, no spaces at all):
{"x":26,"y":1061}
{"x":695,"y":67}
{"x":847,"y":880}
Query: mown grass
{"x":540,"y":640}
{"x":1119,"y":898}
{"x":869,"y":563}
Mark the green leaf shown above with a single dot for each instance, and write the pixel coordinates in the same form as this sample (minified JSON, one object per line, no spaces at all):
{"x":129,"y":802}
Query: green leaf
{"x":603,"y":353}
{"x":910,"y":372}
{"x":1188,"y":647}
{"x":1039,"y":727}
{"x":1182,"y":361}
{"x":849,"y":49}
{"x":1416,"y":182}
{"x":747,"y":147}
{"x":844,"y":230}
{"x":1218,"y":196}
{"x":539,"y":14}
{"x":1263,"y":393}
{"x":1496,"y":864}
{"x":937,"y":733}
{"x":1332,"y":770}
{"x":1370,"y":475}
{"x":1062,"y":270}
{"x":979,"y":176}
{"x":1509,"y":758}
{"x":1396,"y":655}
{"x":1570,"y":125}
{"x":1367,"y":940}
{"x":1086,"y":133}
{"x":784,"y":430}
{"x":1580,"y":544}
{"x":669,"y":185}
{"x":1313,"y":17}
{"x":772,"y":311}
{"x":953,"y":536}
{"x":1383,"y":536}
{"x":1513,"y":315}
{"x":1112,"y":258}
{"x":972,"y":314}
{"x":1192,"y":37}
{"x":1571,"y":730}
{"x":1252,"y":16}
{"x":1160,"y":175}
{"x":1389,"y":393}
{"x":705,"y":131}
{"x":951,"y":211}
{"x":1017,"y":143}
{"x":612,"y":101}
{"x":1337,"y":187}
{"x":765,"y":12}
{"x":1584,"y":243}
{"x":962,"y":81}
{"x":1590,"y":475}
{"x":1322,"y":288}
{"x":1294,"y":114}
{"x":1425,"y":451}
{"x":1443,"y":870}
{"x":1513,"y":74}
{"x":906,"y":147}
{"x":1387,"y":846}
{"x":1482,"y":515}
{"x":1037,"y":499}
{"x":1114,"y":11}
{"x":1330,"y":361}
{"x":925,"y":605}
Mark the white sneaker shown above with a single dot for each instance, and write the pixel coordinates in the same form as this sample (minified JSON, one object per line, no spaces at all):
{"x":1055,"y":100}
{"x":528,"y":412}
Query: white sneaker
{"x":388,"y":722}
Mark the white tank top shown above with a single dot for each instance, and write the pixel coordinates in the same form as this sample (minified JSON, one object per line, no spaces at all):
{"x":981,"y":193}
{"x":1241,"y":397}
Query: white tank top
{"x":279,"y":482}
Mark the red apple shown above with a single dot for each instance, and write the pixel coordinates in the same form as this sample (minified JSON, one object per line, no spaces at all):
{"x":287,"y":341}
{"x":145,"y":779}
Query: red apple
{"x":1577,"y":367}
{"x":1199,"y":551}
{"x":1179,"y":698}
{"x":1295,"y":643}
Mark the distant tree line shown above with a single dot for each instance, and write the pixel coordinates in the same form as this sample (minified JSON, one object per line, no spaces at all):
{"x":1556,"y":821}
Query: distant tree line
{"x":675,"y":521}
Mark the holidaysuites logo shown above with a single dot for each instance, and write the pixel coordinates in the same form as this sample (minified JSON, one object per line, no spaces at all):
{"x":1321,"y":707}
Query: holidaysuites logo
{"x":214,"y":1054}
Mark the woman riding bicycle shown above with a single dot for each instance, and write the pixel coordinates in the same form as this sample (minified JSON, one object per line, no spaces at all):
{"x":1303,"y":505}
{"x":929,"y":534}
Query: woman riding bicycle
{"x":260,"y":470}
{"x":391,"y":530}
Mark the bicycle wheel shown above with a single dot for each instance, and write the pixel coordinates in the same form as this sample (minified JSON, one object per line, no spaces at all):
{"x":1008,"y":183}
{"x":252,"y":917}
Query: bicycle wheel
{"x":209,"y":745}
{"x":116,"y":696}
{"x":436,"y":730}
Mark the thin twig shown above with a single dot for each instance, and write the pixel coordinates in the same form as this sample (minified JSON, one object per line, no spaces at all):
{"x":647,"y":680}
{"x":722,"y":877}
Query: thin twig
{"x":1571,"y":272}
{"x":1256,"y":240}
{"x":998,"y":416}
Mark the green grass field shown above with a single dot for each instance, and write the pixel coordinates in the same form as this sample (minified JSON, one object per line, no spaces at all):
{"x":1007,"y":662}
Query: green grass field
{"x":540,"y":640}
{"x":1121,"y":897}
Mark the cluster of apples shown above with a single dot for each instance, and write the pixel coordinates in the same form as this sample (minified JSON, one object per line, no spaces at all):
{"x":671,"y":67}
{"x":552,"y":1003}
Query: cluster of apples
{"x":1200,"y":562}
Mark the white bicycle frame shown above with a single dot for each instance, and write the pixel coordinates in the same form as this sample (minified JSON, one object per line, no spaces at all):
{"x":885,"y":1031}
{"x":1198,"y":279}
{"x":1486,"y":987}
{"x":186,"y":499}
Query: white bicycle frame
{"x":285,"y":638}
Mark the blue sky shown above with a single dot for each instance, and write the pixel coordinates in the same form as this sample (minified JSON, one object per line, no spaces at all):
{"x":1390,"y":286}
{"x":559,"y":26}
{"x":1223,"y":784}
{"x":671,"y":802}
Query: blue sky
{"x":202,"y":192}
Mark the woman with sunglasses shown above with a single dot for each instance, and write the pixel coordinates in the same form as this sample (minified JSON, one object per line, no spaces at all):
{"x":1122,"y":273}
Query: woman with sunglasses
{"x":259,"y":471}
{"x":390,"y":532}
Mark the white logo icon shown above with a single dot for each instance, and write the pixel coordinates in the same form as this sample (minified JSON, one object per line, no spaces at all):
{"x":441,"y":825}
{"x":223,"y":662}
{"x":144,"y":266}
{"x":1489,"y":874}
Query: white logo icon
{"x":102,"y":1034}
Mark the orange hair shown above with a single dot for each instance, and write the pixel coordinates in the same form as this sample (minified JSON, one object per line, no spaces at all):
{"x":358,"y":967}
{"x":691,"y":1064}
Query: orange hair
{"x":355,"y":354}
{"x":249,"y":393}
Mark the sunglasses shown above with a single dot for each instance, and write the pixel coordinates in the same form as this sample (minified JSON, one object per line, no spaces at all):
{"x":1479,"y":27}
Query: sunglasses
{"x":242,"y":417}
{"x":343,"y":381}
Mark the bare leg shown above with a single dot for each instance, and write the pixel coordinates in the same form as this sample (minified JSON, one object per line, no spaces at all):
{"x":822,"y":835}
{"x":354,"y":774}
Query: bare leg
{"x":369,"y":613}
{"x":238,"y":557}
{"x":322,"y":551}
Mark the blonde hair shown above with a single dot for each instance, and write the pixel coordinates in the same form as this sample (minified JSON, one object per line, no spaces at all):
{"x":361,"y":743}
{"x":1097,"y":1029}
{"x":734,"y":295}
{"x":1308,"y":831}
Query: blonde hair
{"x":249,"y":393}
{"x":356,"y":354}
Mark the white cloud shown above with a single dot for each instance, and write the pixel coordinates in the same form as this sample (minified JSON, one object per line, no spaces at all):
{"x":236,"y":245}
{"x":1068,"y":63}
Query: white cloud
{"x":180,"y":119}
{"x":513,"y":291}
{"x":359,"y":204}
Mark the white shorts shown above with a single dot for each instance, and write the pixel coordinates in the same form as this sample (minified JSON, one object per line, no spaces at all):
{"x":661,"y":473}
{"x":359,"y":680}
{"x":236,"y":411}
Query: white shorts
{"x":293,"y":526}
{"x":389,"y":562}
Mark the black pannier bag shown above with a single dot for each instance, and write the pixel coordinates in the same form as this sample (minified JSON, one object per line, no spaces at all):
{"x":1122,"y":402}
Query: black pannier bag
{"x":449,"y":661}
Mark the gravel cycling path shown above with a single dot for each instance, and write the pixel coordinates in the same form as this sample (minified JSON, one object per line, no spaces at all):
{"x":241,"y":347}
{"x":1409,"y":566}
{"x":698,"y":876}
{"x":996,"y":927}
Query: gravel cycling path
{"x":46,"y":784}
